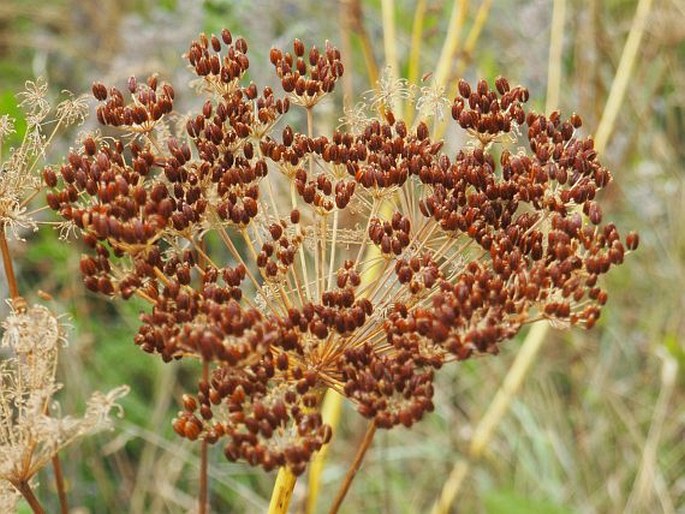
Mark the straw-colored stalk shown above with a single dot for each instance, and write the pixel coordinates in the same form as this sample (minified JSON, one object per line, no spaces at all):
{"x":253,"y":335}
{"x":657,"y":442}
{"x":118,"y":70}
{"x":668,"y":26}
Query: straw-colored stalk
{"x":330,"y":412}
{"x":282,"y":491}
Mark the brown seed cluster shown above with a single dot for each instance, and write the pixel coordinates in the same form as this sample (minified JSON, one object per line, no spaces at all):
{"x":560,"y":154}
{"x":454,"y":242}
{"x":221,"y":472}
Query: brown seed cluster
{"x":361,"y":261}
{"x":149,"y":103}
{"x":392,"y":236}
{"x":309,"y":76}
{"x":264,"y":427}
{"x":487,"y":112}
{"x":221,"y":71}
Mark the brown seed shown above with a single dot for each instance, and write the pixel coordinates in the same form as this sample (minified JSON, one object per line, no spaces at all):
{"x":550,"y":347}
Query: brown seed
{"x":464,"y":88}
{"x":632,"y":240}
{"x":99,"y":91}
{"x":298,"y":47}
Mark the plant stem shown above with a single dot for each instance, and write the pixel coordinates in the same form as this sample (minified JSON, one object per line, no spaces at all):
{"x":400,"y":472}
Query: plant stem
{"x":451,"y":45}
{"x":59,"y":482}
{"x":282,"y":491}
{"x":25,"y":489}
{"x":351,"y":473}
{"x":416,"y":40}
{"x":554,"y":70}
{"x":623,"y":74}
{"x":203,"y":494}
{"x":9,"y":268}
{"x":390,"y":45}
{"x":357,"y":24}
{"x":330,"y":412}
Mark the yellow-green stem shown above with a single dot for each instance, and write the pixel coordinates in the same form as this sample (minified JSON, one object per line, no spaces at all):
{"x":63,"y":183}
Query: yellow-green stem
{"x":330,"y":413}
{"x":354,"y":11}
{"x":623,"y":74}
{"x":451,"y":44}
{"x":282,"y":491}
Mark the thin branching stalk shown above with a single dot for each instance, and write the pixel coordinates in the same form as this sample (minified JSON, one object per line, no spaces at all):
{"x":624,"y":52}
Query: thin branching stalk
{"x":354,"y":467}
{"x":14,"y":295}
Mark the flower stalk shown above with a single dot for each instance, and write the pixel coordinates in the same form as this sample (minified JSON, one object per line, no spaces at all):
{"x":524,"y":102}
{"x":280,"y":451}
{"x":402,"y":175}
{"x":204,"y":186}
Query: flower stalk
{"x":283,"y":491}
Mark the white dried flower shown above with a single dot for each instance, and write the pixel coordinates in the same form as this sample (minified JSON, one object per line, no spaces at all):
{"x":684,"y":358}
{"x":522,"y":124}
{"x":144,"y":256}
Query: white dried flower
{"x":73,"y":109}
{"x":390,"y":90}
{"x":20,"y":178}
{"x":31,"y":430}
{"x":432,"y":103}
{"x":355,"y":118}
{"x":33,"y":101}
{"x":6,"y":126}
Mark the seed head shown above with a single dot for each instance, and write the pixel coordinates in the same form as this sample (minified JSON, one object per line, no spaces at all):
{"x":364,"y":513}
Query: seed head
{"x":361,"y":261}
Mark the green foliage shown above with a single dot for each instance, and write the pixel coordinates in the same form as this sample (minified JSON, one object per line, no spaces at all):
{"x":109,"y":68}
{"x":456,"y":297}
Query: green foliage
{"x":8,"y":105}
{"x":511,"y":502}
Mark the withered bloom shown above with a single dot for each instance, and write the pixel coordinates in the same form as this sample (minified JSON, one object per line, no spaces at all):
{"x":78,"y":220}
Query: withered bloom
{"x":362,"y":261}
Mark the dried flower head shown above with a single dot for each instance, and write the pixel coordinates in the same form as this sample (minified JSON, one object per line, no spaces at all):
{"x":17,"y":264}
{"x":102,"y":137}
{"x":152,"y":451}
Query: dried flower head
{"x":20,"y":179}
{"x":360,"y":261}
{"x":31,"y":431}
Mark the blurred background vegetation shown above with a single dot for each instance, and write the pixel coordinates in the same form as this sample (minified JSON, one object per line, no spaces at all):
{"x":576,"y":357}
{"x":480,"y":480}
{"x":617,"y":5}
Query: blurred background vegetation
{"x":599,"y":423}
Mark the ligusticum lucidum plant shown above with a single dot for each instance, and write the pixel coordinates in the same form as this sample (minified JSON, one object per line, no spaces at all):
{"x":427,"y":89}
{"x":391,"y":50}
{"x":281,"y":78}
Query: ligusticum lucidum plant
{"x":290,"y":262}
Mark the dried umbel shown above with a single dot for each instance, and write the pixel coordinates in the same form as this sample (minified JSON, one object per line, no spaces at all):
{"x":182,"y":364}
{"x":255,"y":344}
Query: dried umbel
{"x":32,"y":431}
{"x":290,"y":263}
{"x":20,"y":179}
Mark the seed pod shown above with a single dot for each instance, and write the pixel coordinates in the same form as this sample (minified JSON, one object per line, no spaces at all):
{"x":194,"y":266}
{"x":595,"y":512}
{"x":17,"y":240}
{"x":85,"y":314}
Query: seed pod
{"x":632,"y":241}
{"x":99,"y":91}
{"x":464,"y":88}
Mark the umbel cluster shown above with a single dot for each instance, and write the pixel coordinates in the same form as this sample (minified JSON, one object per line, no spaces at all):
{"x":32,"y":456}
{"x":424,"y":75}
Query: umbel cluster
{"x":290,"y":262}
